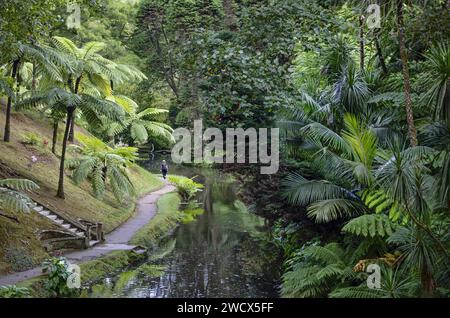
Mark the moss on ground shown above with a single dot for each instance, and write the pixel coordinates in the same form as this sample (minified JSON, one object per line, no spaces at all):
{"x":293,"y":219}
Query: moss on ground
{"x":98,"y":269}
{"x":165,"y":220}
{"x":15,"y":161}
{"x":91,"y":271}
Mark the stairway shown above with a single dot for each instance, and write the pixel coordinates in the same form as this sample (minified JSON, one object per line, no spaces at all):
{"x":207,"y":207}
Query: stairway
{"x":75,"y":228}
{"x":59,"y":221}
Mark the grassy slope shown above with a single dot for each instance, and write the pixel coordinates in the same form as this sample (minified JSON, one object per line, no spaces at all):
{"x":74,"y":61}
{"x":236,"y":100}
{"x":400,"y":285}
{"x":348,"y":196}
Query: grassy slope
{"x":79,"y":202}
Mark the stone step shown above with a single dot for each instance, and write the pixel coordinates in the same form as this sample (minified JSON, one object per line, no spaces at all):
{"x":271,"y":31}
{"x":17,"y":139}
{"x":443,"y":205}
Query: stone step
{"x":73,"y":229}
{"x":59,"y":221}
{"x":93,"y":243}
{"x":79,"y":233}
{"x":44,"y":213}
{"x":65,"y":225}
{"x":38,"y":208}
{"x":52,"y":217}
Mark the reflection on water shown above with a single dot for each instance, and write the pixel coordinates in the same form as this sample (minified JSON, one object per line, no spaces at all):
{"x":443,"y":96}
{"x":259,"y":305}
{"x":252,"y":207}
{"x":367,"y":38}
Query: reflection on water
{"x":224,"y":253}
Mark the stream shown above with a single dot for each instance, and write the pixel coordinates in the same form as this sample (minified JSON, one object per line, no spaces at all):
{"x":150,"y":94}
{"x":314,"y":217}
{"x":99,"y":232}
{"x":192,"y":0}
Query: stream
{"x":224,"y":252}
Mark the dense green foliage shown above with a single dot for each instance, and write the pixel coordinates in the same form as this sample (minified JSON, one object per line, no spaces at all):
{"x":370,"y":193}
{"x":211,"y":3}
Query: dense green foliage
{"x":103,"y":165}
{"x":187,"y":188}
{"x":58,"y":272}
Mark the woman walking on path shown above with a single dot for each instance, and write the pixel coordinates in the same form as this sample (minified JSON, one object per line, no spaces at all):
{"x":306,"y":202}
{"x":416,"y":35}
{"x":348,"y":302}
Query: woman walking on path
{"x":164,"y":169}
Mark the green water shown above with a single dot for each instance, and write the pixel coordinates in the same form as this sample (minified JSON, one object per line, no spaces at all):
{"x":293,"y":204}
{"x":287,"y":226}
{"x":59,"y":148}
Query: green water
{"x":225,"y":252}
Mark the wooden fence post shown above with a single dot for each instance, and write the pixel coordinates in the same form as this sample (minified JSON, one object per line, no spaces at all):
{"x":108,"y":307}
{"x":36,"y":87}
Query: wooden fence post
{"x":100,"y":236}
{"x":87,"y":238}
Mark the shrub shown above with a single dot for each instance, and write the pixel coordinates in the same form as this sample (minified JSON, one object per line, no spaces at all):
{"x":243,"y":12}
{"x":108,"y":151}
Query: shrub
{"x":31,"y":138}
{"x":58,"y":271}
{"x":19,"y":259}
{"x":14,"y":292}
{"x":191,"y":214}
{"x":186,"y":188}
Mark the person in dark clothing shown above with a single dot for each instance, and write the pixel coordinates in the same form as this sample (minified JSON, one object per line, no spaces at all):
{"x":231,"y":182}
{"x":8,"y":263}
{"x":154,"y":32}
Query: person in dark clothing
{"x":164,"y":168}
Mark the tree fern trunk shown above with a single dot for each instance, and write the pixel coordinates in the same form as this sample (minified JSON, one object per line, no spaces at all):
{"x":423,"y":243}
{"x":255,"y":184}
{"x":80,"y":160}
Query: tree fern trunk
{"x":427,"y":282}
{"x":71,"y":132}
{"x":71,"y":137}
{"x":380,"y":53}
{"x":33,"y":80}
{"x":60,"y":193}
{"x":55,"y":136}
{"x":446,"y":104}
{"x":361,"y":42}
{"x":412,"y":132}
{"x":7,"y":134}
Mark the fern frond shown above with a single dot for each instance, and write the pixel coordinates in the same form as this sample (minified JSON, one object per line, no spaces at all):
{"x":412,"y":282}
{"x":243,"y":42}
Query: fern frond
{"x":356,"y":292}
{"x":370,"y":225}
{"x":19,"y":184}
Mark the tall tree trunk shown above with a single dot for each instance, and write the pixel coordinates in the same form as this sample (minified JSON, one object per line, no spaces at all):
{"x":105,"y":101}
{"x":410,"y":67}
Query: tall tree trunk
{"x":412,"y":132}
{"x":361,"y":42}
{"x":7,"y":134}
{"x":380,"y":53}
{"x":72,"y":131}
{"x":427,"y":282}
{"x":55,"y":136}
{"x":33,"y":80}
{"x":72,"y":124}
{"x":446,"y":104}
{"x":60,"y":193}
{"x":69,"y":121}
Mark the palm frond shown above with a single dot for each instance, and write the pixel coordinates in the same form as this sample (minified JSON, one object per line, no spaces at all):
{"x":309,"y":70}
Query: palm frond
{"x":300,"y":191}
{"x":332,"y":209}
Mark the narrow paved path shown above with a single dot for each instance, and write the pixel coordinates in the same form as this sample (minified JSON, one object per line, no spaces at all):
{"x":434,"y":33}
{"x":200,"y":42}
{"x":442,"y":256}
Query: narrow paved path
{"x":117,"y":240}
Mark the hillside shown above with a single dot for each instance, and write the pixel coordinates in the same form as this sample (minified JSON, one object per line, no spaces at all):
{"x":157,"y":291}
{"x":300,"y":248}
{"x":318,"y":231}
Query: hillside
{"x":20,"y":247}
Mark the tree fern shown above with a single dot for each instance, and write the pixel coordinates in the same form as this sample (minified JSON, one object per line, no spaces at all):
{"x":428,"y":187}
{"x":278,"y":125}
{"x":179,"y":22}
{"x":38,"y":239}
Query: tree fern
{"x":356,"y":292}
{"x":140,"y":125}
{"x":6,"y":88}
{"x":102,"y":165}
{"x":316,"y":270}
{"x":11,"y":198}
{"x":370,"y":225}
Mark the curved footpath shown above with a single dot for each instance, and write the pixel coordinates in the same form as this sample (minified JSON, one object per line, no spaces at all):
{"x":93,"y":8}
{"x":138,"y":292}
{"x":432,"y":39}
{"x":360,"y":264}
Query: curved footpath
{"x":115,"y":241}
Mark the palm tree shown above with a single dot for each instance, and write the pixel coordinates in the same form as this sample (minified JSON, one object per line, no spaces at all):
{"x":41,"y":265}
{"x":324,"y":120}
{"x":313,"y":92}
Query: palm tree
{"x":58,"y":100}
{"x":438,"y":77}
{"x":140,"y":125}
{"x":346,"y":158}
{"x":90,"y":72}
{"x":11,"y":197}
{"x":44,"y":59}
{"x":395,"y":283}
{"x":406,"y":78}
{"x":437,"y":136}
{"x":91,"y":75}
{"x":103,"y":165}
{"x":419,"y":254}
{"x":403,"y":175}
